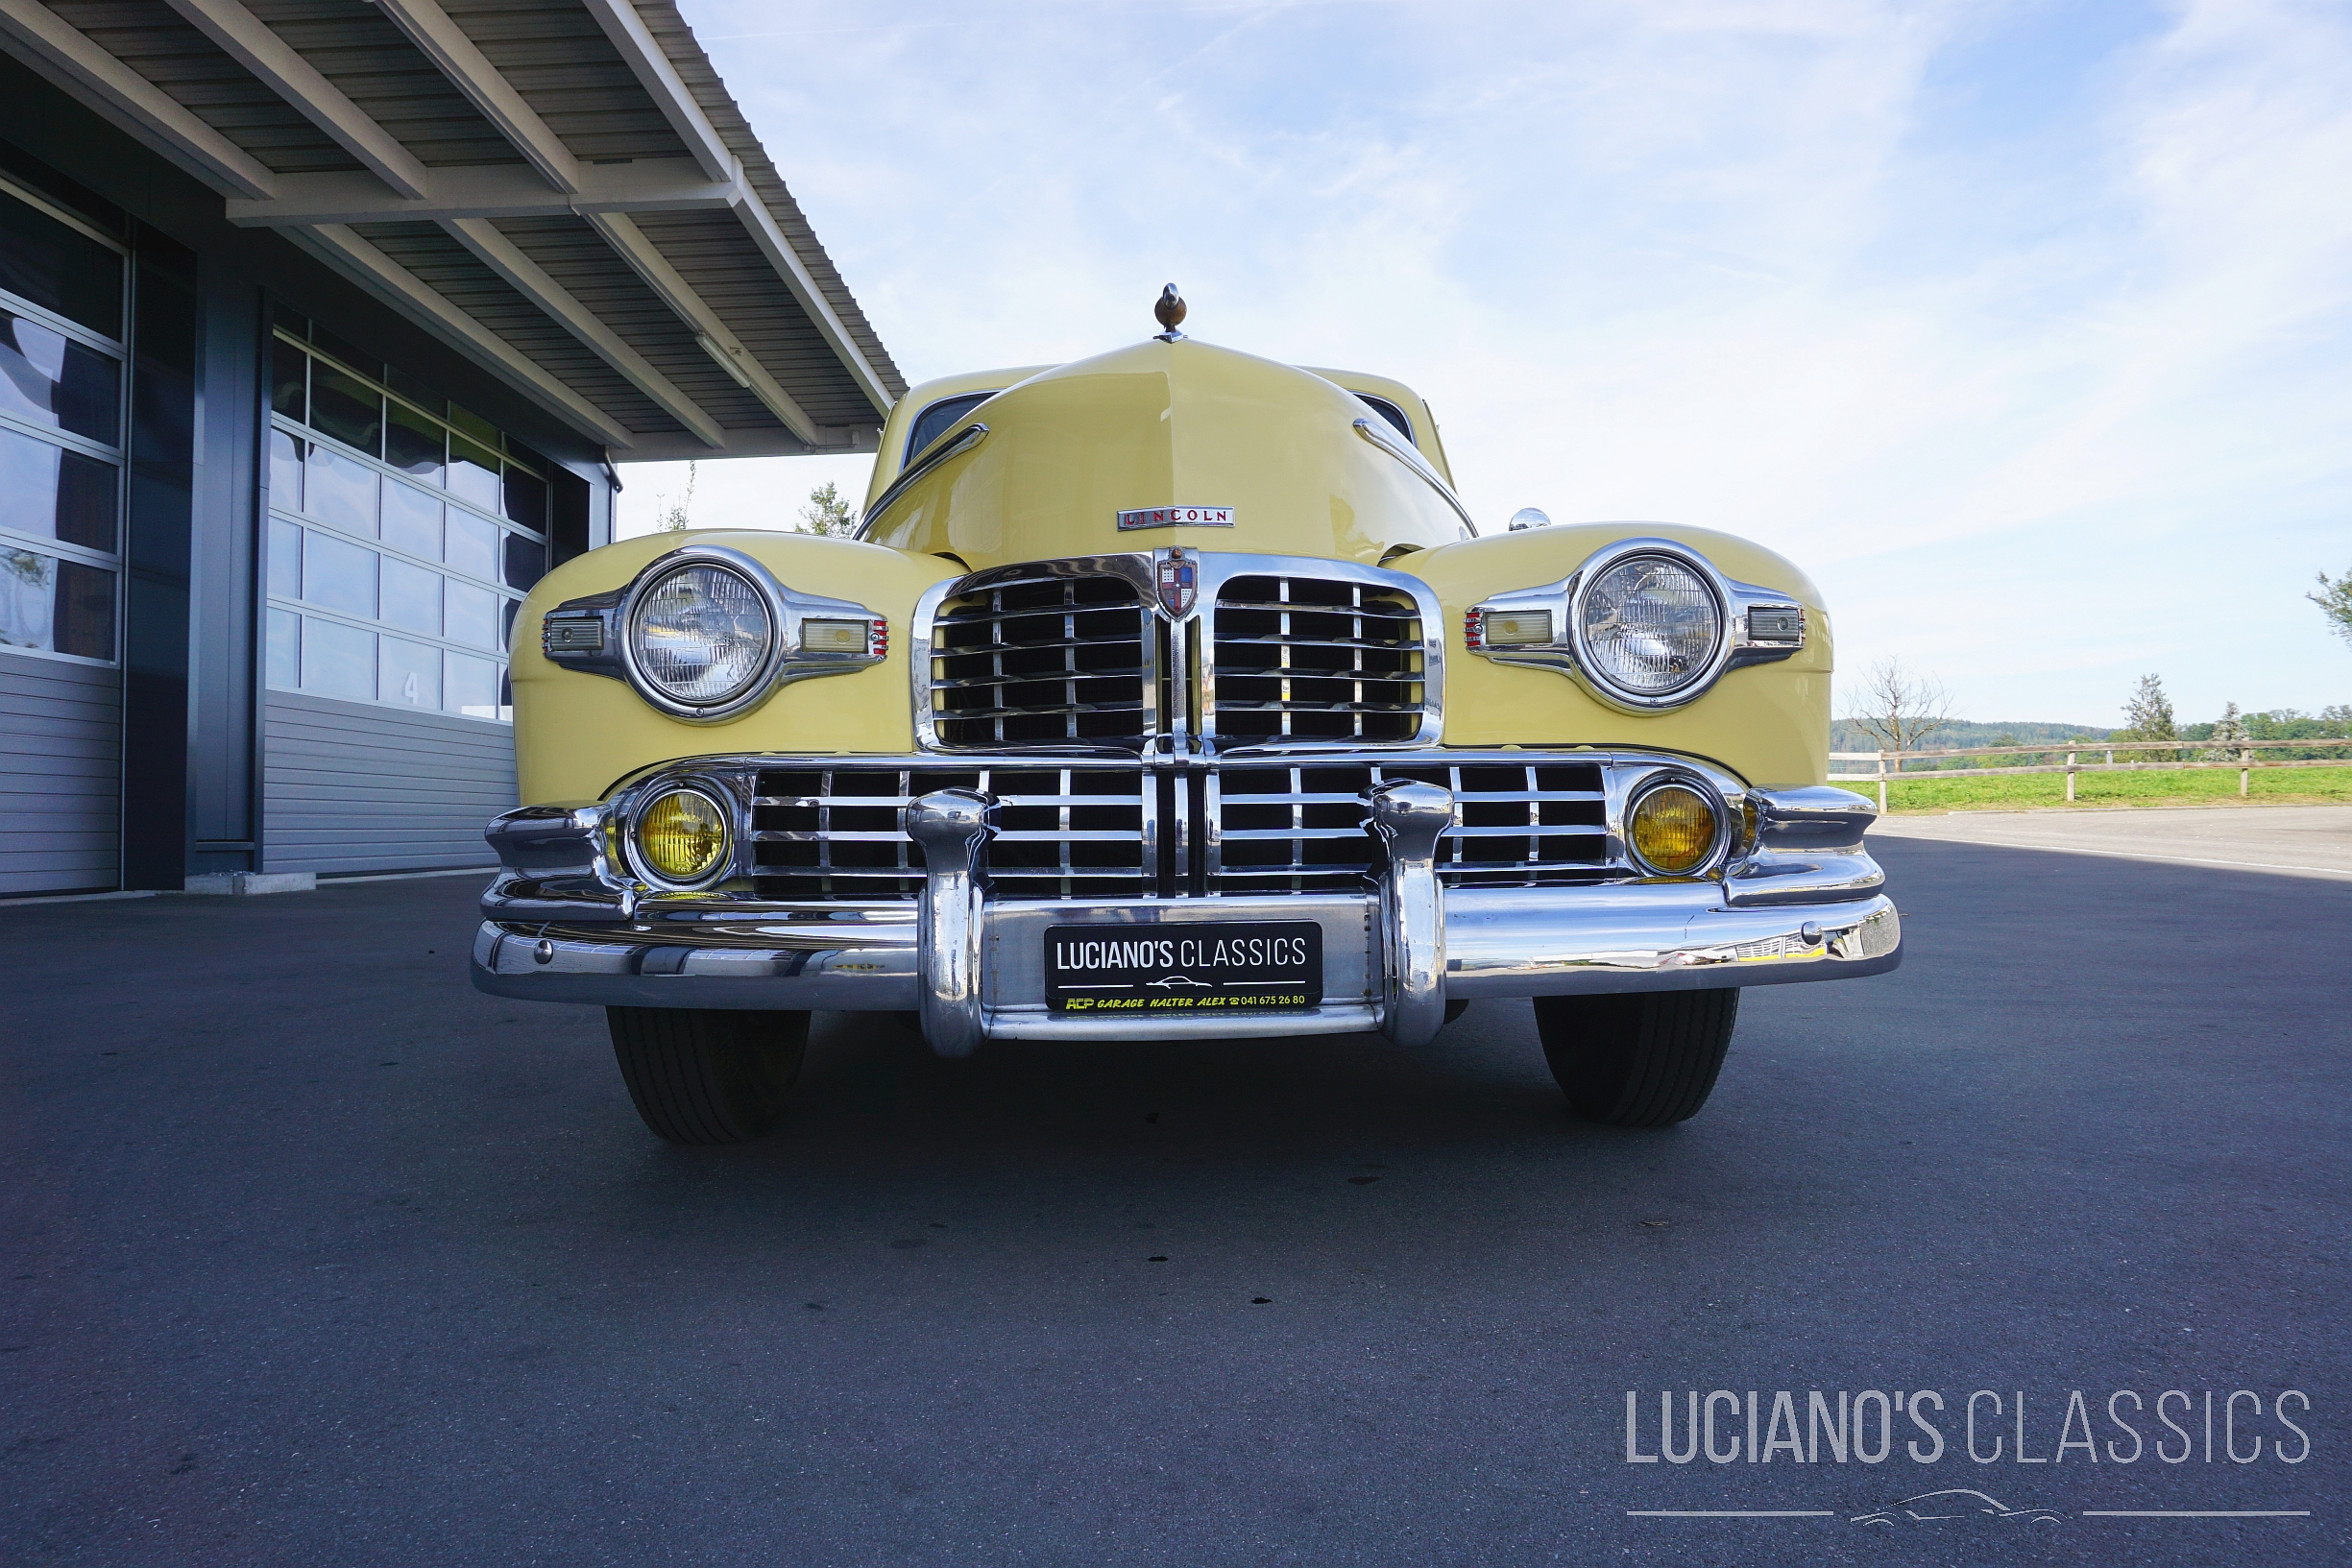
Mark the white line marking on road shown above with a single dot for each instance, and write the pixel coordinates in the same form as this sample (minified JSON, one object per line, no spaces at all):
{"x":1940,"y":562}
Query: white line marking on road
{"x":1731,"y":1513}
{"x":2196,"y":1514}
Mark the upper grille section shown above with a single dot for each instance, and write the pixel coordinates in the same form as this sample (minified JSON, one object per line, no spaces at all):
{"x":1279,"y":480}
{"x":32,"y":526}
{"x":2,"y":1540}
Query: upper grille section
{"x":1050,"y":661}
{"x":1302,"y":658}
{"x":1184,"y":650}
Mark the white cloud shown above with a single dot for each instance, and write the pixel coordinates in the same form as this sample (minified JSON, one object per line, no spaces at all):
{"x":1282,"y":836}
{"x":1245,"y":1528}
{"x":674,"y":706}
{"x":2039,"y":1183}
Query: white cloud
{"x":2022,"y":328}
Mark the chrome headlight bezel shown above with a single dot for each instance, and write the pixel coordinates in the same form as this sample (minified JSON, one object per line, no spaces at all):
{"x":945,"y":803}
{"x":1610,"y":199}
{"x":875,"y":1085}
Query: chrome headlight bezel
{"x":632,"y":628}
{"x":1702,"y":675}
{"x":1753,"y":625}
{"x":597,"y":634}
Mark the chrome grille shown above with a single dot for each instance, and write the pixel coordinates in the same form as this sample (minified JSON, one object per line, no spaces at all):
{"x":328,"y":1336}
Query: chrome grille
{"x":837,"y":832}
{"x":1299,"y":828}
{"x":826,"y":832}
{"x":1301,"y":658}
{"x":1044,"y":661}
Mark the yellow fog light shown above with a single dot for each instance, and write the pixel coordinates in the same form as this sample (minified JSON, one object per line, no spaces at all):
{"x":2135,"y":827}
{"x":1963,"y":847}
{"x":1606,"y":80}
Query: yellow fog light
{"x":1674,"y":829}
{"x":682,"y":835}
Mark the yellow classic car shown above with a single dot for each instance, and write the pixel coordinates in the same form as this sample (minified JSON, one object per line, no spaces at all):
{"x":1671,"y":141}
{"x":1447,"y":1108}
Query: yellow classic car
{"x":1172,"y":694}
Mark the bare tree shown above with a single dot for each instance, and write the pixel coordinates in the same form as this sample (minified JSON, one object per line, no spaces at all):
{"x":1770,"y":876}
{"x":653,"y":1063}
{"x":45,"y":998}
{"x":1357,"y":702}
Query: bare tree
{"x":1898,"y":708}
{"x":2335,"y":601}
{"x":672,"y":519}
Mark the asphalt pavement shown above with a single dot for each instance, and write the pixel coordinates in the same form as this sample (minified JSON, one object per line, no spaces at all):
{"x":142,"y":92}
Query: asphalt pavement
{"x":2292,"y":840}
{"x":313,"y":1255}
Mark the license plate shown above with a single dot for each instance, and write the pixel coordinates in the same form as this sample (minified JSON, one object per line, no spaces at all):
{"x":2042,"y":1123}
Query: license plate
{"x":1207,"y":967}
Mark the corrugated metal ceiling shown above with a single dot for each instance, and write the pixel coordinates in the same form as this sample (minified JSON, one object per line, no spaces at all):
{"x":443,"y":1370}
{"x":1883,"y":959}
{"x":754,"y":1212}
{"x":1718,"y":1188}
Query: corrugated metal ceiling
{"x":556,"y":56}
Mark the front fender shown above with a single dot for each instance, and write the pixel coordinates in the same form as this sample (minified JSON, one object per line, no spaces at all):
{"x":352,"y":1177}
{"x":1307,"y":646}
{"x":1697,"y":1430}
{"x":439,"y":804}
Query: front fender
{"x":576,"y":732}
{"x":1768,"y":723}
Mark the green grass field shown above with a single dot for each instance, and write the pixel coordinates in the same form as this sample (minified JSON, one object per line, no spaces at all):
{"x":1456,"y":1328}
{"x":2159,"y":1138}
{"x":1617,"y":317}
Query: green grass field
{"x":2094,"y":792}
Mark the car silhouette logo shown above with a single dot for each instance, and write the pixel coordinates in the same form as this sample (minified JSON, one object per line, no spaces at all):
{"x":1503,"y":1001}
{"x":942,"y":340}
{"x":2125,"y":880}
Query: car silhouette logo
{"x":1169,"y":981}
{"x":1958,"y":1503}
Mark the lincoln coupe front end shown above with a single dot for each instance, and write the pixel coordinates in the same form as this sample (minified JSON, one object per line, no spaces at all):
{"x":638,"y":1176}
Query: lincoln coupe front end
{"x":1172,"y":694}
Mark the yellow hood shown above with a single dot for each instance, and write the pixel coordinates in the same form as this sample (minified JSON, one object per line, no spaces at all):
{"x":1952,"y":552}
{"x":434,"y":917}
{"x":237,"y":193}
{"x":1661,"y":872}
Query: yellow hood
{"x":1167,"y":424}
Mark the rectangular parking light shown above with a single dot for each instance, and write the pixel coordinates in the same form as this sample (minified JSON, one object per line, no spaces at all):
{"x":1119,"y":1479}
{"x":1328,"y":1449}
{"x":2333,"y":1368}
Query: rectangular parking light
{"x":1516,"y":628}
{"x":834,"y":636}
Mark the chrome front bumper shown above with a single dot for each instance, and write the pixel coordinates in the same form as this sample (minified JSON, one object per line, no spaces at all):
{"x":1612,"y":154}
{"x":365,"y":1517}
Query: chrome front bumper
{"x":1802,"y":903}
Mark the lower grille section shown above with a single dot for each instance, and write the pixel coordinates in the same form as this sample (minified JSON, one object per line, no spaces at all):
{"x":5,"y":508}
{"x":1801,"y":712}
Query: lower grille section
{"x":1066,"y":832}
{"x":1300,"y":828}
{"x":835,"y":833}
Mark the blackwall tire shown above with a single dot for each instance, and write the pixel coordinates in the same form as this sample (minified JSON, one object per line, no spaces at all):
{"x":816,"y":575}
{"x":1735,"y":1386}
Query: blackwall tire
{"x":1637,"y":1059}
{"x":704,"y":1077}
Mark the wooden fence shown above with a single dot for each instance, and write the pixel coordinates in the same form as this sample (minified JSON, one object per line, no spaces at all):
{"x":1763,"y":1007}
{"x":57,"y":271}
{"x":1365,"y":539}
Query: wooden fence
{"x":2202,"y":757}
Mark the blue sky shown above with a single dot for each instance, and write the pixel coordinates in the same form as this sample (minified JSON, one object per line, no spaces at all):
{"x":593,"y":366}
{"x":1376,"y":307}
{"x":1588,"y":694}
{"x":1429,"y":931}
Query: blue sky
{"x":2021,"y":327}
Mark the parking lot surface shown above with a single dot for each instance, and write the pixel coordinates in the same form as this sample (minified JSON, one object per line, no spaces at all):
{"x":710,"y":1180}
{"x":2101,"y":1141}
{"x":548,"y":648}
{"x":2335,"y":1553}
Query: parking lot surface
{"x":313,"y":1255}
{"x":2295,"y":840}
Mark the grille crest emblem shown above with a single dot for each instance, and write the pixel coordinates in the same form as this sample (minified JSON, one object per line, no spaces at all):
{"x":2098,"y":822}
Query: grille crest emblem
{"x":1178,"y":582}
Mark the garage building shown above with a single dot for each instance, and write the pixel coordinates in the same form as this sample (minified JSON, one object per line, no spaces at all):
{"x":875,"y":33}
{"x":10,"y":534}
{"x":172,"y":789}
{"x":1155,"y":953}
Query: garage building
{"x":324,"y":327}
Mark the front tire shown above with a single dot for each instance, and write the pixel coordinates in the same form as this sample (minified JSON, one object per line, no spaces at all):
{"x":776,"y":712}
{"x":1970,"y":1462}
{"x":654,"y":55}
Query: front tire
{"x":703,"y":1077}
{"x":1638,"y":1058}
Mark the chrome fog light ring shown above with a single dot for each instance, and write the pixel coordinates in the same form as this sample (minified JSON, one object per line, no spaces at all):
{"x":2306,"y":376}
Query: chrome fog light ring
{"x":630,"y":821}
{"x":1721,"y":836}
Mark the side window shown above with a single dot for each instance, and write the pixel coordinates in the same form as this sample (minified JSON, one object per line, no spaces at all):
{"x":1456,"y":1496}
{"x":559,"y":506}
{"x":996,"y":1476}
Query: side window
{"x":936,"y":420}
{"x":1390,"y":412}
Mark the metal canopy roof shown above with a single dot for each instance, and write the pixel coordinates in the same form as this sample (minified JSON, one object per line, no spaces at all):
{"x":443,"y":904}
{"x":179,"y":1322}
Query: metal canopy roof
{"x":564,"y":188}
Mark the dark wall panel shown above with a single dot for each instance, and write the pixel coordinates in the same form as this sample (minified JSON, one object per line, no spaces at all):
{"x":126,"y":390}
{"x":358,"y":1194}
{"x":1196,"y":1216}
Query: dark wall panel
{"x":159,"y":522}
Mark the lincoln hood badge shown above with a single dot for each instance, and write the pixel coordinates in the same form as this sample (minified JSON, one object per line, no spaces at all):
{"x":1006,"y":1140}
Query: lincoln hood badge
{"x":1180,"y":581}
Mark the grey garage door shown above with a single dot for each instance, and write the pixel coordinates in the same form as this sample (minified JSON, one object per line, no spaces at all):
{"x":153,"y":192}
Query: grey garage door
{"x":402,"y":532}
{"x":61,"y":417}
{"x":347,"y":787}
{"x":60,"y":759}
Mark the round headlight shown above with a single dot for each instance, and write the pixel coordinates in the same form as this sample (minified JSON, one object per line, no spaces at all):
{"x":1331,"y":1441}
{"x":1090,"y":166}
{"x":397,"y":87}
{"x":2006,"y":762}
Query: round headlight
{"x":701,"y":635}
{"x":1650,"y":626}
{"x":1673,"y":828}
{"x":682,"y":835}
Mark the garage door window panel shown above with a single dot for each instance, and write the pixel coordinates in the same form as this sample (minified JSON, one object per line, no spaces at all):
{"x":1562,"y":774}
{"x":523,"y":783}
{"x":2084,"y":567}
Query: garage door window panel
{"x":338,"y":576}
{"x":58,"y":266}
{"x":412,"y":521}
{"x":338,"y":661}
{"x":61,"y":384}
{"x":421,"y":525}
{"x":49,"y":379}
{"x":58,"y":494}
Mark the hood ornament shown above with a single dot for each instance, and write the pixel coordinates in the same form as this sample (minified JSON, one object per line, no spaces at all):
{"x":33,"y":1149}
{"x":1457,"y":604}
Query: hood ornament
{"x":1170,"y":309}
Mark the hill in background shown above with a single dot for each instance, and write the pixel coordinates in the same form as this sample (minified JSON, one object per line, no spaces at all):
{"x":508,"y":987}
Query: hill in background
{"x":1847,"y":736}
